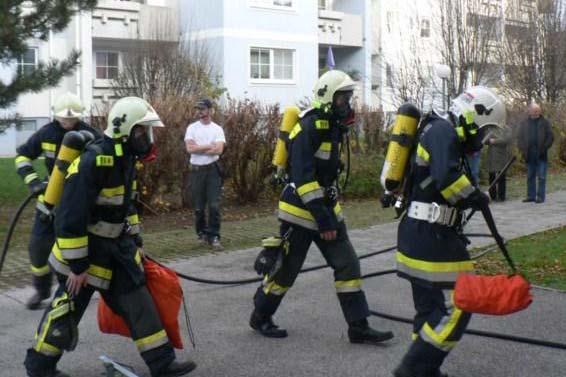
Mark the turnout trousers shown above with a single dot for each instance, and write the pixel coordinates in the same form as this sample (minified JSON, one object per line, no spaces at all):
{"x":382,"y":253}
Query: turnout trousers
{"x":340,"y":256}
{"x":127,"y":296}
{"x":438,"y":326}
{"x":40,"y":244}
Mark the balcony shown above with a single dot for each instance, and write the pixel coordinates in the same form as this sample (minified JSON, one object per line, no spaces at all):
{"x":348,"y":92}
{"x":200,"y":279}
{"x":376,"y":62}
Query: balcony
{"x":339,"y":29}
{"x":127,"y":20}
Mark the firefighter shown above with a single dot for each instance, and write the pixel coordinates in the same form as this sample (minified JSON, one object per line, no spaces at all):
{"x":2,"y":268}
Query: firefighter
{"x":309,"y":211}
{"x":98,"y":247}
{"x":431,"y":247}
{"x":46,"y":141}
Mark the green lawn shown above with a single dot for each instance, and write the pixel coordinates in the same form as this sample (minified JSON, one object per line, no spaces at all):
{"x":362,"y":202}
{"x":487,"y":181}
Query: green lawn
{"x":540,"y":257}
{"x":12,"y":188}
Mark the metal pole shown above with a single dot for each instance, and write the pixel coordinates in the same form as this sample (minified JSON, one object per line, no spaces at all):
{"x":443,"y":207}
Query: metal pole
{"x":444,"y":94}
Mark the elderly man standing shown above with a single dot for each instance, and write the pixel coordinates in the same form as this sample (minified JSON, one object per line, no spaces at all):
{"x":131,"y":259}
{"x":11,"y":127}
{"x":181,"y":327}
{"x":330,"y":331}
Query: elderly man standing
{"x":498,"y":154}
{"x":534,"y":139}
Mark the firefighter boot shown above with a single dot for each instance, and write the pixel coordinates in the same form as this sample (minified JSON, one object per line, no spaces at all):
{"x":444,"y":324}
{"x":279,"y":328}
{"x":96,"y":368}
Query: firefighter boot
{"x":421,"y":360}
{"x":360,"y":332}
{"x":39,"y":365}
{"x":42,"y":285}
{"x":265,"y":326}
{"x":177,"y":368}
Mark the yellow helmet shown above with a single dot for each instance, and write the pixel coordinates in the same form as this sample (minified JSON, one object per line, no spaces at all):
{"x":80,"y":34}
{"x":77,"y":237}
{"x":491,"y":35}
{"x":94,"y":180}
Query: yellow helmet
{"x":329,"y":83}
{"x":68,"y":105}
{"x":128,"y":112}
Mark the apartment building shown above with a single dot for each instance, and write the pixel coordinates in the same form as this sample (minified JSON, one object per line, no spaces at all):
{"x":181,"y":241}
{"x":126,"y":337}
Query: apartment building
{"x":274,"y":50}
{"x":102,"y":36}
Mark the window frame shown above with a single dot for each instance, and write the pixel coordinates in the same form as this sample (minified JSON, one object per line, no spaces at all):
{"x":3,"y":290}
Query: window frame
{"x":118,"y":66}
{"x":21,"y":65}
{"x":422,"y":28}
{"x":272,"y":80}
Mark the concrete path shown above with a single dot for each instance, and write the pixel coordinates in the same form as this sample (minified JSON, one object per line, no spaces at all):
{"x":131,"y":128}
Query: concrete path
{"x":317,"y":344}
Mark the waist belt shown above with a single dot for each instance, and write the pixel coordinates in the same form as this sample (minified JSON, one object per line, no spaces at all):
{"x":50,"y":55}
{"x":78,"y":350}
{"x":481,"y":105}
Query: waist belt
{"x":201,"y":167}
{"x":433,"y":213}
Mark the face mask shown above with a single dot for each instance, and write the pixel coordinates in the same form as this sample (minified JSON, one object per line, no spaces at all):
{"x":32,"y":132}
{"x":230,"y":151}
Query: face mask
{"x":341,"y":104}
{"x":140,"y":141}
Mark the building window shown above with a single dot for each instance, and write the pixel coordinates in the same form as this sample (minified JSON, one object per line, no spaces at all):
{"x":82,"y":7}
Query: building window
{"x":323,"y":4}
{"x":107,"y":65}
{"x":271,"y":64}
{"x":389,"y":75}
{"x":27,"y":125}
{"x":284,"y":4}
{"x":27,"y":61}
{"x":425,"y":28}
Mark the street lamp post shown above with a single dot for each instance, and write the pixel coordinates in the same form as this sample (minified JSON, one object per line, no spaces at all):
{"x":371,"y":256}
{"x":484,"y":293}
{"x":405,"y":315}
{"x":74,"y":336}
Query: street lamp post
{"x":443,"y":72}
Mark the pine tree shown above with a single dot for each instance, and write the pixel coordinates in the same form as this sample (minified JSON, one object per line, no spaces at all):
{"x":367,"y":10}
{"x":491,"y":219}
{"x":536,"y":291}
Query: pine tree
{"x":21,"y":20}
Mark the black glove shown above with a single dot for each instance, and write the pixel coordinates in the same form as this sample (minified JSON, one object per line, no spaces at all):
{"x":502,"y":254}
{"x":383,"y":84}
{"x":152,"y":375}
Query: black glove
{"x":138,"y":240}
{"x":37,"y":187}
{"x":270,"y":258}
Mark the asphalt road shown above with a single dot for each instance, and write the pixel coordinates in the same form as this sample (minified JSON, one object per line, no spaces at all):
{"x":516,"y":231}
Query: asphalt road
{"x":317,"y":344}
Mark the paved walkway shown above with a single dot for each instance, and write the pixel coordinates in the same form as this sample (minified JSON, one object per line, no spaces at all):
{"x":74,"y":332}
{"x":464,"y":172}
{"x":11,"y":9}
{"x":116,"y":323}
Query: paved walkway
{"x":317,"y":344}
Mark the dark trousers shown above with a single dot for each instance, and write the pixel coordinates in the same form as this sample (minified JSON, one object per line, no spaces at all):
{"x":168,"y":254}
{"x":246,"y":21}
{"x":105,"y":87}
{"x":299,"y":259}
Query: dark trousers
{"x":498,"y":191}
{"x":438,"y":325}
{"x":40,"y":244}
{"x":536,"y":171}
{"x":135,"y":307}
{"x":206,"y":187}
{"x":339,"y":254}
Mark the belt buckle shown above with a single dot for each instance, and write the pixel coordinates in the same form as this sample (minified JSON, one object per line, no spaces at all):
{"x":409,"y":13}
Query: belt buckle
{"x":434,"y":213}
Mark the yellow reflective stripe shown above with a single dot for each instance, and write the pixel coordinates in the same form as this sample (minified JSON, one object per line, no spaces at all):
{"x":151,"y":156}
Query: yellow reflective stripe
{"x":435,"y":266}
{"x":295,"y":131}
{"x":22,"y":159}
{"x":134,"y":185}
{"x":414,"y":336}
{"x":296,"y":211}
{"x":152,"y":341}
{"x":305,"y":214}
{"x":274,"y":288}
{"x":271,"y":242}
{"x":74,"y":167}
{"x":461,"y":134}
{"x":133,"y":219}
{"x":47,"y":349}
{"x":30,"y":177}
{"x":72,"y":243}
{"x":456,"y":188}
{"x":40,"y":271}
{"x":308,"y":187}
{"x":100,"y":272}
{"x":440,"y":337}
{"x":422,"y":153}
{"x":138,"y":257}
{"x":325,"y":147}
{"x":112,"y":191}
{"x":343,"y":286}
{"x":322,"y":124}
{"x":48,"y":147}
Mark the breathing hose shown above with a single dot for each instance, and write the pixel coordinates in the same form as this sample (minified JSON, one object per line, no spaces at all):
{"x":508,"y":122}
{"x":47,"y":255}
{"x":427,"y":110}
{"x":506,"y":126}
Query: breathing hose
{"x":13,"y":223}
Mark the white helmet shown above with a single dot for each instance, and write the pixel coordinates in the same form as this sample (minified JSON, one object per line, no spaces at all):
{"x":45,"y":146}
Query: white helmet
{"x":128,"y":112}
{"x":329,"y":83}
{"x":488,"y":107}
{"x":68,"y":105}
